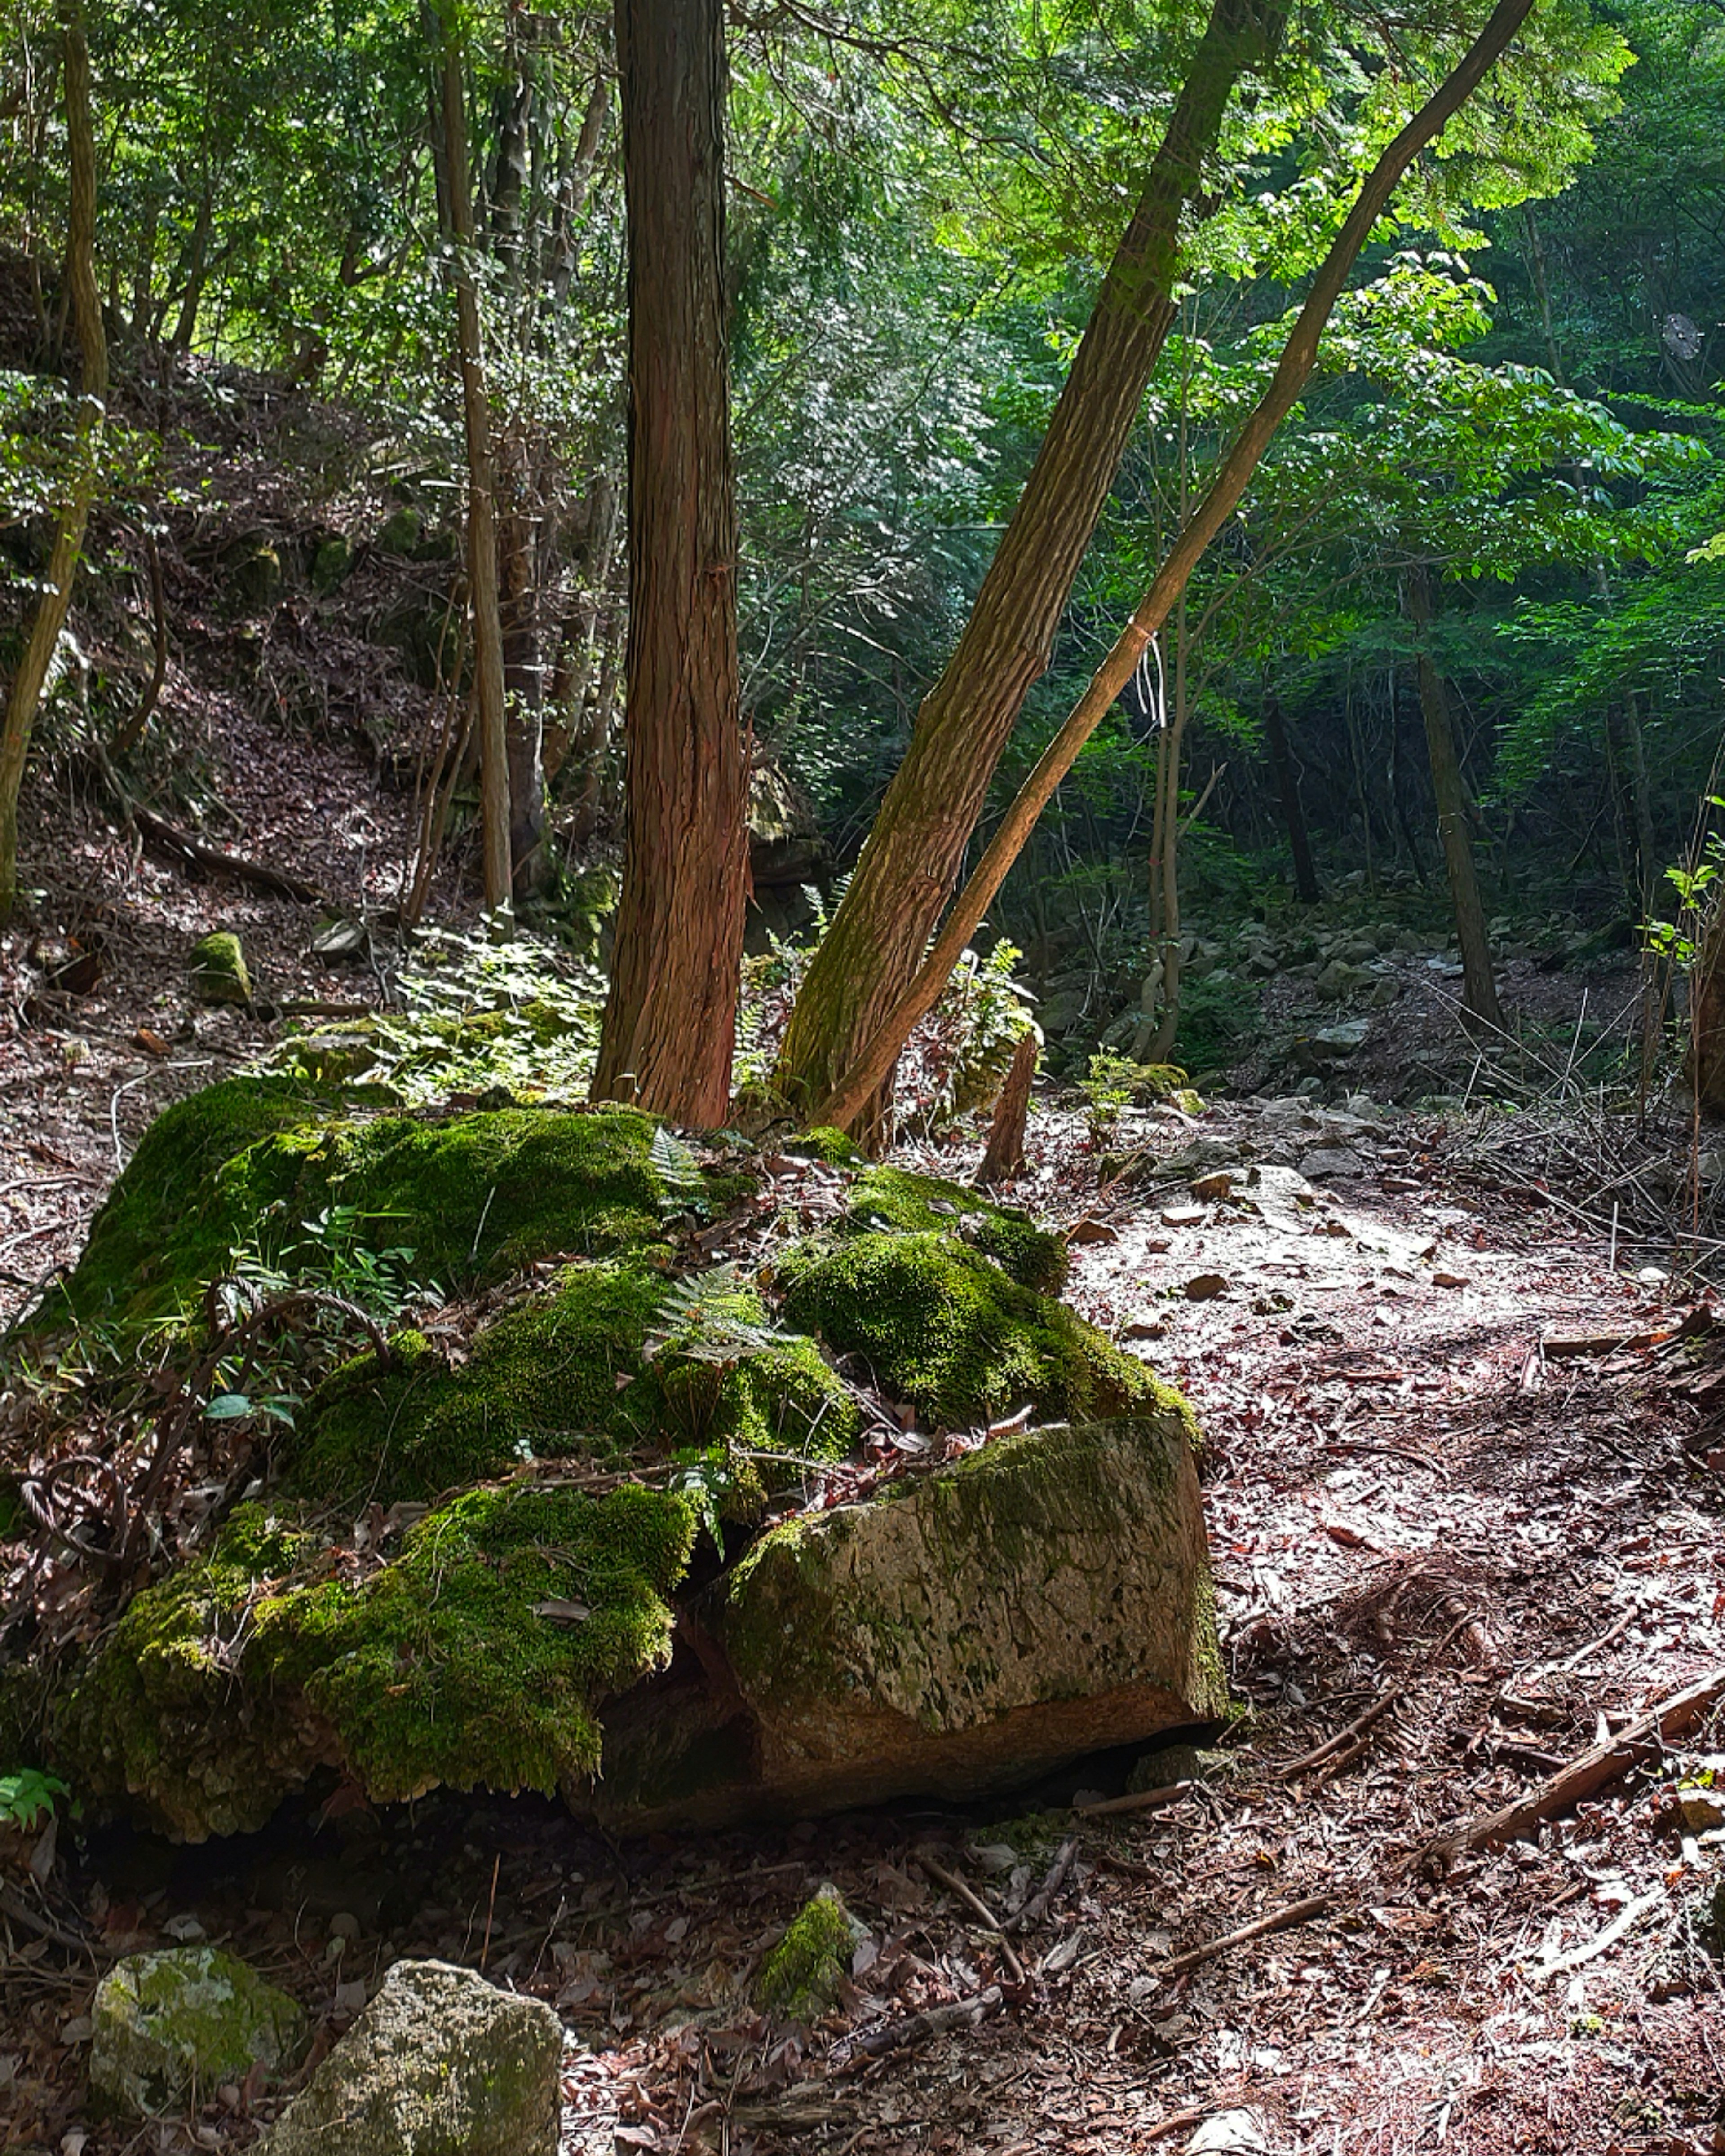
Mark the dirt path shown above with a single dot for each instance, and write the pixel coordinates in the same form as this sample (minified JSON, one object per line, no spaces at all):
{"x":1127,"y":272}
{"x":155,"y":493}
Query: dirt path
{"x":1401,"y":1494}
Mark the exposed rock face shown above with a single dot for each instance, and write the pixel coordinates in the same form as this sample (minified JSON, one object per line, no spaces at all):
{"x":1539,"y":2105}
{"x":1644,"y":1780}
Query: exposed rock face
{"x":441,"y":2063}
{"x":1045,"y":1598}
{"x":169,"y":2024}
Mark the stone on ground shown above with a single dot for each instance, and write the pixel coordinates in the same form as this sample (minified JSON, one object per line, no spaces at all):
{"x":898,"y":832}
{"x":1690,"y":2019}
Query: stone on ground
{"x":1047,"y":1597}
{"x":801,"y":1976}
{"x":441,"y":2063}
{"x":174,"y":2025}
{"x":216,"y":969}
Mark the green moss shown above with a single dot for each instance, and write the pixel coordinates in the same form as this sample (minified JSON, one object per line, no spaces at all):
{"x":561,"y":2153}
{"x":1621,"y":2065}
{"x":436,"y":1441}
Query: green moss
{"x":247,"y":1161}
{"x":543,"y":1382}
{"x":823,"y":1142}
{"x":185,"y":2019}
{"x":441,"y":1668}
{"x":800,"y":1978}
{"x":222,"y":1688}
{"x":539,"y":1382}
{"x":942,"y":1327}
{"x":217,"y":970}
{"x":892,"y":1200}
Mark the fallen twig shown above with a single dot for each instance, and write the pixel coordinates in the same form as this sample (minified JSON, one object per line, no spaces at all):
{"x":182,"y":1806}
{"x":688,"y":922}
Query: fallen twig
{"x":1036,"y":1908}
{"x":1137,"y":1800}
{"x":1583,"y":1777}
{"x":1273,"y":1920}
{"x":169,"y":838}
{"x":21,"y":1913}
{"x":975,"y":1902}
{"x":1358,"y":1727}
{"x":917,"y":2028}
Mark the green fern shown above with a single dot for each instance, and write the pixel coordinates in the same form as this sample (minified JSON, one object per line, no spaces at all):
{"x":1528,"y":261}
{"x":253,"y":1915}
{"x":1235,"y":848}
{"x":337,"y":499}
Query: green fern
{"x":683,"y":1187}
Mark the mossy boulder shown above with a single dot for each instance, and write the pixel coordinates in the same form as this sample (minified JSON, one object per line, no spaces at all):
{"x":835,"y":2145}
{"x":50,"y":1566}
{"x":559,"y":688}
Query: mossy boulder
{"x":249,"y":1163}
{"x":801,"y":1976}
{"x":578,"y":1369}
{"x":1048,"y":1596}
{"x":943,"y":1327}
{"x":440,"y":2063}
{"x":173,"y":2026}
{"x":216,"y":970}
{"x":477,"y":1657}
{"x":893,"y":1201}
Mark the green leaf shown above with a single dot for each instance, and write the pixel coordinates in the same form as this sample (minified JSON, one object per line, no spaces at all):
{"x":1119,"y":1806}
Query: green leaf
{"x":227,"y":1406}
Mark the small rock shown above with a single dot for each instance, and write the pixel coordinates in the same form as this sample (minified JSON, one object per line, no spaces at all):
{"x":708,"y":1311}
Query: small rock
{"x":1702,"y":1809}
{"x":1344,"y":1039}
{"x":440,"y":2060}
{"x":1205,"y":1287}
{"x":1092,"y":1231}
{"x":800,"y":1978}
{"x":1146,"y":1326}
{"x":1651,"y":1276}
{"x":1183,"y":1216}
{"x":1450,"y":1279}
{"x":1212,"y":1188}
{"x":1230,"y":2133}
{"x":994,"y":1856}
{"x":1399,"y":1186}
{"x":79,"y":2030}
{"x":217,"y":970}
{"x":185,"y":1931}
{"x":1331,"y":1160}
{"x":192,"y":2015}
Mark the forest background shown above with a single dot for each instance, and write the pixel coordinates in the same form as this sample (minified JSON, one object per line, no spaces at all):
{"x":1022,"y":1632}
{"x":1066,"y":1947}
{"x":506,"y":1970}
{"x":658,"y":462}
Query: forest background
{"x":1496,"y":497}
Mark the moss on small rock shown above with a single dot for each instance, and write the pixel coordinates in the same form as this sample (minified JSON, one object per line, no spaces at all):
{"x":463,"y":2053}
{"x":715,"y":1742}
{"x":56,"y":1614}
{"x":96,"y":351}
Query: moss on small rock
{"x":175,"y":2025}
{"x":821,"y":1142}
{"x":800,"y":1978}
{"x":216,"y":969}
{"x":894,"y":1201}
{"x":943,"y":1327}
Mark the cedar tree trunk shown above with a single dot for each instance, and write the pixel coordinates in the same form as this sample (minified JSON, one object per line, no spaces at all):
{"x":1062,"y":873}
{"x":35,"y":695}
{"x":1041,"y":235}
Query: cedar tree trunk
{"x":671,"y":1018}
{"x":916,"y":846}
{"x":1287,"y":780}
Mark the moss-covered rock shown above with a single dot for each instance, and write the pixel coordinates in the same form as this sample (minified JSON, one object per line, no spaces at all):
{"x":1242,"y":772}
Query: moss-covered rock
{"x":893,"y":1201}
{"x":216,"y":970}
{"x":800,"y":1977}
{"x":250,"y":1162}
{"x":570,"y":1371}
{"x":943,"y":1327}
{"x":440,"y":2063}
{"x":477,"y":1657}
{"x":174,"y":2025}
{"x":1048,"y":1596}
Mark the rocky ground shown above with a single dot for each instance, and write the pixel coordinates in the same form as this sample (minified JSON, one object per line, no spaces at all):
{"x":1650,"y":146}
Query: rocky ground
{"x":1406,"y":1495}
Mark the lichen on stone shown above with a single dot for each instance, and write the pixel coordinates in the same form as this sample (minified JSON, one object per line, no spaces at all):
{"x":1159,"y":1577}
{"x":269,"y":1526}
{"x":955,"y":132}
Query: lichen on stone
{"x":217,"y":970}
{"x":800,"y":1978}
{"x":943,"y":1327}
{"x":176,"y":2025}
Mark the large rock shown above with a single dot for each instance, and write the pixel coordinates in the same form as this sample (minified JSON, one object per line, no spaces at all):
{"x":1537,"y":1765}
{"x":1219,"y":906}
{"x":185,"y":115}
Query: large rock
{"x":441,"y":2063}
{"x":1047,"y":1597}
{"x":169,"y":2024}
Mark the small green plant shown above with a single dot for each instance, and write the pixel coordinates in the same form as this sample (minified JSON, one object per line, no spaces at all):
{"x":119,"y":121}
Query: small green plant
{"x":1107,"y":1086}
{"x":29,"y":1797}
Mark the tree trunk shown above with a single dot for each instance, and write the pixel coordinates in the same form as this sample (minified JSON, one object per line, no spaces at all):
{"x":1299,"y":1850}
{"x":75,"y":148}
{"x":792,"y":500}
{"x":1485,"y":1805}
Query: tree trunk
{"x":1479,"y":983}
{"x":51,"y":609}
{"x":848,"y":1102}
{"x":671,"y":1018}
{"x":1307,"y":888}
{"x":916,"y":846}
{"x":481,"y":510}
{"x":1005,"y":1152}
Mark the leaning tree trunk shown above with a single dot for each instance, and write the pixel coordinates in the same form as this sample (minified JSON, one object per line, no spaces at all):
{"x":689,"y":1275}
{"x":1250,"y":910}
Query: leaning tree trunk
{"x":1479,"y":983}
{"x":481,"y":488}
{"x":916,"y":846}
{"x":671,"y":1019}
{"x":31,"y":678}
{"x":847,"y":1104}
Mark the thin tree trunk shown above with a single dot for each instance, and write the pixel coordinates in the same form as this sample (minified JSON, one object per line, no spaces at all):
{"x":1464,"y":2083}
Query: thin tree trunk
{"x":1479,"y":983}
{"x":671,"y":1018}
{"x":1005,"y":1153}
{"x":25,"y":694}
{"x":1306,"y":887}
{"x":850,"y":1099}
{"x":481,"y":512}
{"x":916,"y":846}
